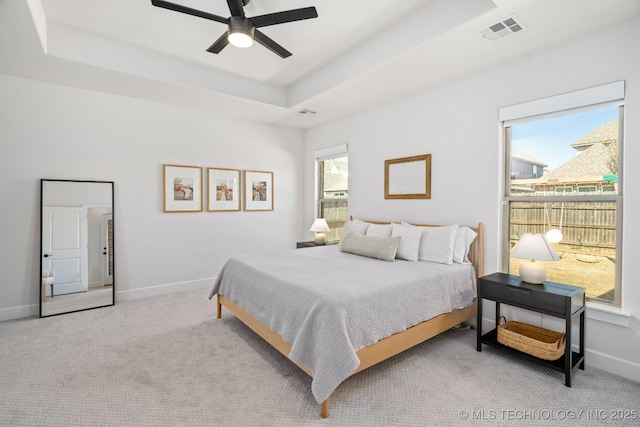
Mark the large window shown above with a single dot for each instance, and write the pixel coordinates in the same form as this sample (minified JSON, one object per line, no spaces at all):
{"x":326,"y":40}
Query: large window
{"x":332,"y":166}
{"x":564,"y":180}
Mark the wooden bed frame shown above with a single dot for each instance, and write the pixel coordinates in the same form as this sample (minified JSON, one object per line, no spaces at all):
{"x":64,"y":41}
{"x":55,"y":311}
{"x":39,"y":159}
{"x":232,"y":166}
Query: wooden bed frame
{"x":387,"y":347}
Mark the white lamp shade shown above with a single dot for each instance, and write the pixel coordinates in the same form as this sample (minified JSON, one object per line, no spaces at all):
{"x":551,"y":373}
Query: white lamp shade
{"x":534,"y":246}
{"x":320,"y":225}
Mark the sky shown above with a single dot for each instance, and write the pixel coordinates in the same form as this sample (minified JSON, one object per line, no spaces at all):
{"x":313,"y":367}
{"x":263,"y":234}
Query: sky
{"x":550,"y":140}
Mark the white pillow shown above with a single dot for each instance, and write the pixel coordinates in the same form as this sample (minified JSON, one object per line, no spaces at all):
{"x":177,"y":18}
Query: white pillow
{"x":379,"y":230}
{"x":464,"y":239}
{"x":356,"y":226}
{"x":437,"y":244}
{"x":410,"y":241}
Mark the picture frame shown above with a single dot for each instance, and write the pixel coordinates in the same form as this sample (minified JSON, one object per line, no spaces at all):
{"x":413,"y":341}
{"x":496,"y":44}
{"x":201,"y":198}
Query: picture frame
{"x":408,"y":177}
{"x":182,"y":188}
{"x":258,"y":190}
{"x":224,"y":190}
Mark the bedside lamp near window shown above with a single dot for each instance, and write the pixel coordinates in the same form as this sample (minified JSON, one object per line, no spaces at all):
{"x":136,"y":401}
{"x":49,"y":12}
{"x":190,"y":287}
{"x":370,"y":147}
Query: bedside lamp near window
{"x":320,"y":226}
{"x":534,"y":247}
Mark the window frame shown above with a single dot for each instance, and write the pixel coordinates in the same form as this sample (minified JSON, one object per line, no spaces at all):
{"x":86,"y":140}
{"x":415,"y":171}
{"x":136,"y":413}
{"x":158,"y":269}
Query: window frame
{"x":545,"y":111}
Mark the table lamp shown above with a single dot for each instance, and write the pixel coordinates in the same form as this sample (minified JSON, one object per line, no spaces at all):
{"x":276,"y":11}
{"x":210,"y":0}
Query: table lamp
{"x":320,"y":227}
{"x":534,"y":247}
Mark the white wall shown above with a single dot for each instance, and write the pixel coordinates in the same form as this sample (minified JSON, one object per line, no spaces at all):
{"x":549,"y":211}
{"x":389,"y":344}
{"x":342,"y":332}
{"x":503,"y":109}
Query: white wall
{"x":457,"y":123}
{"x":57,"y":132}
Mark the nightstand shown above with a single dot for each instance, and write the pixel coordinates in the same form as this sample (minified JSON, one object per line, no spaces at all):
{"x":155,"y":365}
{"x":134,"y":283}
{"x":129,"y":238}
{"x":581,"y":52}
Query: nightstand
{"x":555,"y":299}
{"x":309,"y":244}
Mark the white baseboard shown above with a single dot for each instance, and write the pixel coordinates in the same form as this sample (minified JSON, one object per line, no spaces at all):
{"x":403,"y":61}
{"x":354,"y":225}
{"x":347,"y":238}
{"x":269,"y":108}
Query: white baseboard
{"x":168,"y":288}
{"x":12,"y":313}
{"x":612,"y":364}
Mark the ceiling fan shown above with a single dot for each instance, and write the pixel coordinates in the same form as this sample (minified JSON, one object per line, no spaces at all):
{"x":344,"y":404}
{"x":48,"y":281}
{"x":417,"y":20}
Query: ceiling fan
{"x":242,"y":30}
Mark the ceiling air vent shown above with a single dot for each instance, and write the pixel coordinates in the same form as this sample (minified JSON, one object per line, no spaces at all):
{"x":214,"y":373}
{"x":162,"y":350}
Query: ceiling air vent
{"x":501,"y":29}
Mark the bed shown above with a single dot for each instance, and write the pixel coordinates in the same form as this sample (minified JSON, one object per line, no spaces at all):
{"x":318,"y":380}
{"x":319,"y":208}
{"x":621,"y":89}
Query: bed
{"x":334,"y":311}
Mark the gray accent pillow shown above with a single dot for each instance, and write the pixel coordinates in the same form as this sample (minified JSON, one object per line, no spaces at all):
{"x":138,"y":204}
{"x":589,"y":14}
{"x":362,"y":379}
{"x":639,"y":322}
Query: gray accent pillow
{"x":383,"y":248}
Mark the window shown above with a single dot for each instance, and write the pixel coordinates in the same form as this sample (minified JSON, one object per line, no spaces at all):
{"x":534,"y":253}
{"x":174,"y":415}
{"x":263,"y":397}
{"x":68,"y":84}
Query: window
{"x":332,"y":166}
{"x":564,"y":189}
{"x":577,"y":200}
{"x":590,"y":189}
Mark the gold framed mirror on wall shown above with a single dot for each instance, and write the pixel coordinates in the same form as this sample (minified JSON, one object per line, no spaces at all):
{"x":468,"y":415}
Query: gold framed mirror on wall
{"x":76,"y":246}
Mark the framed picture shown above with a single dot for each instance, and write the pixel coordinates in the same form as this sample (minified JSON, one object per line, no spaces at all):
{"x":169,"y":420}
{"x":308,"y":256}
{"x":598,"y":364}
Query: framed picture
{"x":408,"y":178}
{"x":182,"y":188}
{"x":224,"y":190}
{"x":258,"y":191}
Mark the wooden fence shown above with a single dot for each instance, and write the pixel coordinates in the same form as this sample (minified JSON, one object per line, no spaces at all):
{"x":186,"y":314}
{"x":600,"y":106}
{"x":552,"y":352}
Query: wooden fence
{"x":335,"y":213}
{"x":587,"y":224}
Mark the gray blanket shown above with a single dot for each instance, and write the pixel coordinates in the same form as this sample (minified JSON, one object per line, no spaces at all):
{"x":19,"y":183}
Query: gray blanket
{"x":328,"y":304}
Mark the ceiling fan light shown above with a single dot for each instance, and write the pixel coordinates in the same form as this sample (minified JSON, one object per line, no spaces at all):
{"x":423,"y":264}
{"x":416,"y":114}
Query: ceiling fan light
{"x":240,"y":32}
{"x":239,"y":39}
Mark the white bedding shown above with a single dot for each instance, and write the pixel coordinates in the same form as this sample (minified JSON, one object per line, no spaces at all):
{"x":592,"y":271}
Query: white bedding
{"x":329,"y":304}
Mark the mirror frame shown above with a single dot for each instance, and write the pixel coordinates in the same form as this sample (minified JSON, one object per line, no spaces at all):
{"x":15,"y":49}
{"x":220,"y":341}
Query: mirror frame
{"x":113,"y":268}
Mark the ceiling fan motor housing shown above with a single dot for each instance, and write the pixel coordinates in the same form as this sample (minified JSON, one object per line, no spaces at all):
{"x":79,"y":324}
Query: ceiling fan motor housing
{"x":240,"y":24}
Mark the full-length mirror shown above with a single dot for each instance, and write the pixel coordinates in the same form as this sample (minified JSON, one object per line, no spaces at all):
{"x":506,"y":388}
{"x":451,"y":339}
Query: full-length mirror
{"x":76,"y":247}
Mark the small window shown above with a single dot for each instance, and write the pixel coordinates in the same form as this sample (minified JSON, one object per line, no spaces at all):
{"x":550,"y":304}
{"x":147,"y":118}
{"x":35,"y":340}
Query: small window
{"x":564,"y":189}
{"x":333,"y":192}
{"x":587,"y":189}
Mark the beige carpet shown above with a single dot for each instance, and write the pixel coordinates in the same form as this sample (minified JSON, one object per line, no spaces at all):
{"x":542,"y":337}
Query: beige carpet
{"x":166,"y":361}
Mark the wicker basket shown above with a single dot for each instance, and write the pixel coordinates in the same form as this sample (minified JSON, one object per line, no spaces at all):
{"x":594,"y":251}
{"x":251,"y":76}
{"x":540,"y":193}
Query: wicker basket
{"x":530,"y":339}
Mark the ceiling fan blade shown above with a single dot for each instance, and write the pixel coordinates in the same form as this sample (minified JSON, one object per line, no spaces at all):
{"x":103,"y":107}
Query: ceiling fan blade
{"x":235,"y":7}
{"x":274,"y":47}
{"x":219,"y":44}
{"x":189,"y":11}
{"x":282,"y":17}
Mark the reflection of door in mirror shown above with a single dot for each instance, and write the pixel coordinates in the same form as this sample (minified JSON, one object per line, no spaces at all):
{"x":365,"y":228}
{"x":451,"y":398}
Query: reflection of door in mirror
{"x":77,"y":246}
{"x":107,"y":249}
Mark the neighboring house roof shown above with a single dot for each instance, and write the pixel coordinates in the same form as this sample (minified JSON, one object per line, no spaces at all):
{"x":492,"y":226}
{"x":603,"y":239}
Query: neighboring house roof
{"x":336,"y":175}
{"x":606,"y":133}
{"x":527,"y":158}
{"x":598,"y":152}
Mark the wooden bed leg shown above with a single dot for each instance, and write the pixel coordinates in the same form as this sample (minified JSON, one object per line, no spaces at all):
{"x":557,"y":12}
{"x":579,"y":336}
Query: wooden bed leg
{"x":219,"y":306}
{"x":324,"y":408}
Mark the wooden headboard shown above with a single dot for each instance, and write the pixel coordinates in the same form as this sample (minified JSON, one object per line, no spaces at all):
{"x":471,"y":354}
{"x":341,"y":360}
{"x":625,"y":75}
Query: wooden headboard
{"x":476,"y":251}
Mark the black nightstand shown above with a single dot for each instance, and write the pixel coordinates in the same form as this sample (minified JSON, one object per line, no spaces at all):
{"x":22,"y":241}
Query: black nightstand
{"x":550,"y":298}
{"x":309,"y":244}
